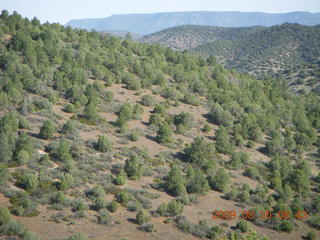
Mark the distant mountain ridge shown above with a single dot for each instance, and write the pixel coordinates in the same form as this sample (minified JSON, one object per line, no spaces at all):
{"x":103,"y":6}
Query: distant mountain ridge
{"x":150,"y":23}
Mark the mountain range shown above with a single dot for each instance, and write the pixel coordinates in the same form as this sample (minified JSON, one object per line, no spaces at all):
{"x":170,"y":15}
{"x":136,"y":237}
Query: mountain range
{"x":149,"y":23}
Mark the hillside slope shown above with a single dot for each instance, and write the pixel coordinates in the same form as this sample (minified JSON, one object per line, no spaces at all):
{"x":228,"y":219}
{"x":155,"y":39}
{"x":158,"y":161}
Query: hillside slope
{"x":150,"y":23}
{"x":290,"y":44}
{"x":189,"y":36}
{"x":291,"y":51}
{"x":102,"y":137}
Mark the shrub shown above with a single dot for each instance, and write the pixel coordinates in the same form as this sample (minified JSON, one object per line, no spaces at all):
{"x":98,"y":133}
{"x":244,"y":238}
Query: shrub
{"x":314,"y":221}
{"x":133,"y":206}
{"x":100,"y":203}
{"x":219,"y":181}
{"x":47,"y":130}
{"x":164,"y":133}
{"x":122,"y":197}
{"x":191,"y":99}
{"x":120,"y":180}
{"x":274,"y":146}
{"x":42,"y":104}
{"x":113,"y":206}
{"x":250,"y":144}
{"x":286,"y":226}
{"x":22,"y":205}
{"x":183,"y":224}
{"x":23,"y":157}
{"x":4,"y":215}
{"x":252,"y":172}
{"x":124,"y":115}
{"x":311,"y":236}
{"x":238,"y":140}
{"x":132,"y":82}
{"x":198,"y":183}
{"x":62,"y":153}
{"x":77,"y":236}
{"x":146,"y":227}
{"x":4,"y":176}
{"x":79,"y":206}
{"x":90,"y":113}
{"x":201,"y":153}
{"x":103,"y":144}
{"x":170,"y":209}
{"x":184,"y":119}
{"x":66,"y":182}
{"x":133,"y":167}
{"x":28,"y":181}
{"x":24,"y":123}
{"x":96,"y":191}
{"x":137,"y":111}
{"x":134,"y":136}
{"x":68,"y":128}
{"x":245,"y":196}
{"x":206,"y":128}
{"x":70,"y":108}
{"x":58,"y":198}
{"x":243,"y":226}
{"x":223,"y":141}
{"x":148,"y":100}
{"x":160,"y":109}
{"x":220,"y":116}
{"x":142,"y":217}
{"x":12,"y":228}
{"x":29,"y":236}
{"x":175,"y":183}
{"x":108,"y":96}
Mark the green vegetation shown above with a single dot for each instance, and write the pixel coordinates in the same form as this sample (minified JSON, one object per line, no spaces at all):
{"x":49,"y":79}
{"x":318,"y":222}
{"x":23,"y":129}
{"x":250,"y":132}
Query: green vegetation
{"x":47,"y":130}
{"x":287,"y":50}
{"x":172,"y":208}
{"x":133,"y":167}
{"x":103,"y":144}
{"x":209,"y":126}
{"x":201,"y":153}
{"x":142,"y":217}
{"x":164,"y":134}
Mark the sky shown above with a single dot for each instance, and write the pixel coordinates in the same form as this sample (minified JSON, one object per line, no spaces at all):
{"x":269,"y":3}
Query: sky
{"x":62,"y":11}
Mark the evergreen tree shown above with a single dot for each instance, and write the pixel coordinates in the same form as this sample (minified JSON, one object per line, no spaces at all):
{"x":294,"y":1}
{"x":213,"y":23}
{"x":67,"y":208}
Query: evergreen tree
{"x":103,"y":144}
{"x":90,"y":113}
{"x":142,"y":217}
{"x":219,"y":181}
{"x":164,"y":133}
{"x":47,"y":130}
{"x":176,"y":182}
{"x":201,"y":153}
{"x":223,"y":144}
{"x":133,"y":167}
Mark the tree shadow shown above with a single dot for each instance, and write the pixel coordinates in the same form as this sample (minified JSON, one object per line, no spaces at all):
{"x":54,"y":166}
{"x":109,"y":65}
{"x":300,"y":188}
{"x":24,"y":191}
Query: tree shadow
{"x":132,"y":220}
{"x":150,"y":137}
{"x":113,"y":123}
{"x":212,"y":138}
{"x":35,"y":135}
{"x":263,"y":150}
{"x":145,"y":123}
{"x":181,"y":156}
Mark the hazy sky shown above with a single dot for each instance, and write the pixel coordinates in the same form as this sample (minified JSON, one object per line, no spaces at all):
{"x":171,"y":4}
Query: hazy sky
{"x":63,"y":10}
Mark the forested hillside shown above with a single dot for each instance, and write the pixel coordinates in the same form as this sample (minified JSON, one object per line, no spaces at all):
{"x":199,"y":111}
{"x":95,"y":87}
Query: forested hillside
{"x":290,"y":51}
{"x":190,"y":36}
{"x":102,"y":136}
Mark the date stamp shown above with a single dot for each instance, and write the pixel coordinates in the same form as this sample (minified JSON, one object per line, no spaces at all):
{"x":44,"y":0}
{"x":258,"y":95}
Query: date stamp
{"x":253,"y":215}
